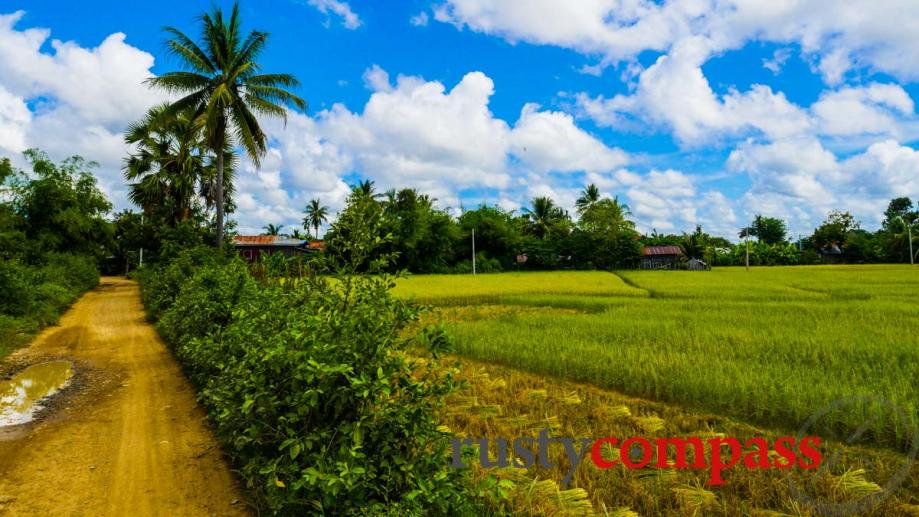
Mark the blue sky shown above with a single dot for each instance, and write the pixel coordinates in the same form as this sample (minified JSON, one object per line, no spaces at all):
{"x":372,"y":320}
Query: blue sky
{"x":693,"y":112}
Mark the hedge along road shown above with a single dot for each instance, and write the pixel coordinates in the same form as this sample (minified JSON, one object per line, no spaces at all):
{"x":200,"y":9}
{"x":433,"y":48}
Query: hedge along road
{"x":126,"y":437}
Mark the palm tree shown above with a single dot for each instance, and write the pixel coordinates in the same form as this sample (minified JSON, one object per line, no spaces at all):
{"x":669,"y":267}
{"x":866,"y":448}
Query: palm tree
{"x":316,"y":214}
{"x":589,"y":196}
{"x":271,"y":229}
{"x":166,"y":165}
{"x":224,"y":90}
{"x":365,"y":188}
{"x":295,"y":234}
{"x":694,"y":244}
{"x":543,"y":215}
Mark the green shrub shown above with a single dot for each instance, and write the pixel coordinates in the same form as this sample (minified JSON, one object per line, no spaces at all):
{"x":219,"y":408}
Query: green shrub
{"x":161,"y":285}
{"x":16,"y":282}
{"x":310,"y":389}
{"x":33,"y":296}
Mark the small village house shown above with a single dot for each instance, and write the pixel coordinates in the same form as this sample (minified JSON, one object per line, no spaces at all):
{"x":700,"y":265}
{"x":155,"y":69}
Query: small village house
{"x":251,"y":247}
{"x":661,"y":257}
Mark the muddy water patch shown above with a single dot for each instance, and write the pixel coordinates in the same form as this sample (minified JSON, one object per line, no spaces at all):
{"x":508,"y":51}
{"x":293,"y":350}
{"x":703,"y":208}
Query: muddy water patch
{"x":21,"y":397}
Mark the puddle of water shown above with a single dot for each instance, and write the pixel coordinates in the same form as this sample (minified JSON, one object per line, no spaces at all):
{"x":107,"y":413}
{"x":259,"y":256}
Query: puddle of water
{"x":21,"y":396}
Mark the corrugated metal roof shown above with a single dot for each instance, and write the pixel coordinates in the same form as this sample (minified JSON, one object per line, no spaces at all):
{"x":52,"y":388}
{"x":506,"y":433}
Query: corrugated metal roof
{"x":266,"y":240}
{"x":661,"y":250}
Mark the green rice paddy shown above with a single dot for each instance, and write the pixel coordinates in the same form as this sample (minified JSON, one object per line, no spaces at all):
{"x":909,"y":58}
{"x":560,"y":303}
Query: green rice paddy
{"x":770,"y":346}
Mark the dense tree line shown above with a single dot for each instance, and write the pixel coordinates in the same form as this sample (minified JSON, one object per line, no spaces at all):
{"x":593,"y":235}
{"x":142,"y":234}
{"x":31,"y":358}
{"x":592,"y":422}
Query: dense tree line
{"x":427,"y":239}
{"x":53,"y":233}
{"x":424,"y":238}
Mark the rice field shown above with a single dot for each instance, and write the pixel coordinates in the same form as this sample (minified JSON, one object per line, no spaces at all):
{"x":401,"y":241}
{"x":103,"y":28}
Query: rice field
{"x":769,"y":346}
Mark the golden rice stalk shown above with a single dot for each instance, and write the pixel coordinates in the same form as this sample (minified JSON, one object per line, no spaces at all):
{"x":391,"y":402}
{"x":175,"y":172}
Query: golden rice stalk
{"x":497,"y":384}
{"x":511,"y":473}
{"x":486,"y":410}
{"x":444,"y":429}
{"x":854,"y":482}
{"x":550,"y":422}
{"x":649,"y":424}
{"x":660,"y":476}
{"x":693,"y":498}
{"x":517,"y":421}
{"x":623,"y":511}
{"x":461,"y":400}
{"x":909,"y":509}
{"x":575,"y":500}
{"x":768,"y":513}
{"x":571,"y":399}
{"x":535,"y":394}
{"x":617,"y":412}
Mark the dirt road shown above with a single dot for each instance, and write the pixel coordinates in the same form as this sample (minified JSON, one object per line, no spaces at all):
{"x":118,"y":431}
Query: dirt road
{"x":126,"y":438}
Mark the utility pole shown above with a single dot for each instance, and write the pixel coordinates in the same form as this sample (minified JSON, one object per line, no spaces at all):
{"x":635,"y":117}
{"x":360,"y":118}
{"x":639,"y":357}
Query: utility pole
{"x":909,"y":234}
{"x":141,"y":248}
{"x":748,"y":252}
{"x":473,"y":251}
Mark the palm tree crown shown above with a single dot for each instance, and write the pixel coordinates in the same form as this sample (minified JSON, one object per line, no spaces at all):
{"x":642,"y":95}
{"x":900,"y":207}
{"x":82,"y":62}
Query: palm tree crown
{"x":165,"y":164}
{"x":589,"y":196}
{"x":224,"y":90}
{"x":543,"y":214}
{"x":316,"y":214}
{"x":272,"y":229}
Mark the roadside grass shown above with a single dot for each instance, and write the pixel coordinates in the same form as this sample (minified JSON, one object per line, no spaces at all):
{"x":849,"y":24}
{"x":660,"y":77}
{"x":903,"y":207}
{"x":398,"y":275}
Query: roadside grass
{"x":507,"y":403}
{"x":769,"y":347}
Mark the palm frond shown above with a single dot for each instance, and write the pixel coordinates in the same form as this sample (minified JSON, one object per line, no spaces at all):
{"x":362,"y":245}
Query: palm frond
{"x":182,"y":47}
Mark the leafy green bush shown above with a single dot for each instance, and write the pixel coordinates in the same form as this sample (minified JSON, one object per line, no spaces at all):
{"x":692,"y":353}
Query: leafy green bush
{"x":34,"y":295}
{"x":483,"y":264}
{"x":161,"y":285}
{"x":310,"y":387}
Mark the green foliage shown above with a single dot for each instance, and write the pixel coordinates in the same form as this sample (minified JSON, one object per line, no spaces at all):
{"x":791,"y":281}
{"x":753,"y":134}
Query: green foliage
{"x":834,"y":229}
{"x":422,"y":236}
{"x":359,"y":236}
{"x":483,"y":264}
{"x":768,"y":230}
{"x":222,"y":90}
{"x":498,"y":234}
{"x":61,"y":209}
{"x":545,"y":219}
{"x":310,"y":384}
{"x":32,"y":296}
{"x":314,"y":215}
{"x":52,"y":232}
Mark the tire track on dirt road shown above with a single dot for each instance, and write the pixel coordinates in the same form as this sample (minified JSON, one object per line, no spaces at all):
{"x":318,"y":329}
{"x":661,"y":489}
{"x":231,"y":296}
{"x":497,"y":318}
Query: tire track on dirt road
{"x":127,"y":437}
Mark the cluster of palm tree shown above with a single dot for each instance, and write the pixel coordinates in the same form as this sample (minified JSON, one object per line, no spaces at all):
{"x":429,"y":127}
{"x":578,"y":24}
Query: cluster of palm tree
{"x":185,"y":148}
{"x":543,"y":214}
{"x":315,"y":214}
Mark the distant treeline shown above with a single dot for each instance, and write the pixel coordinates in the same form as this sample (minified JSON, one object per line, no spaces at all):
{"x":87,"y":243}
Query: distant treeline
{"x":427,"y":239}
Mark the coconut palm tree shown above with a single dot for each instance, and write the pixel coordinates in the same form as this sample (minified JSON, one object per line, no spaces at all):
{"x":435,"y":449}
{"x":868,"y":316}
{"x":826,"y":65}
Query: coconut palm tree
{"x":316,"y":214}
{"x":296,"y":234}
{"x":272,"y":229}
{"x":694,"y":244}
{"x":224,"y":90}
{"x":542,"y":215}
{"x":365,"y":188}
{"x":589,"y":196}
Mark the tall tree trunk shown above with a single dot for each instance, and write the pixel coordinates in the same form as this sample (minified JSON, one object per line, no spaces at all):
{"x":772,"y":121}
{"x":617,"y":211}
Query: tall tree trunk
{"x":221,"y":133}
